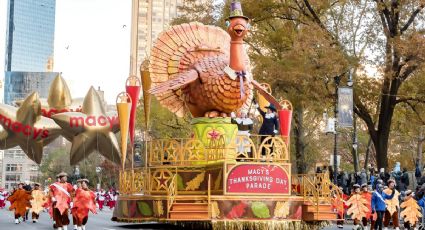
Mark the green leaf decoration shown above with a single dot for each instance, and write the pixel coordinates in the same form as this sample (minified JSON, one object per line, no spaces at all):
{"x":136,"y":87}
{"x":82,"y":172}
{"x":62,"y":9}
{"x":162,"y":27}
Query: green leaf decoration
{"x":124,"y":208}
{"x":180,"y":184}
{"x":260,"y":210}
{"x":144,"y":208}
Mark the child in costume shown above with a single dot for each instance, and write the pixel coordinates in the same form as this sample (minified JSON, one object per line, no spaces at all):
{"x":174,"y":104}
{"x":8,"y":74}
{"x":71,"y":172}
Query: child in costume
{"x":61,"y":196}
{"x":411,"y":211}
{"x":37,"y":202}
{"x":20,"y":201}
{"x":378,"y":204}
{"x":368,"y":197}
{"x":393,"y":206}
{"x":85,"y":201}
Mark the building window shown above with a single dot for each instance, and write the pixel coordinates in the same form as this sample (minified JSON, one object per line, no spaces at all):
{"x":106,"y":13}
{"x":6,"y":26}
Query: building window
{"x":33,"y":178}
{"x":13,"y":177}
{"x":13,"y":167}
{"x":34,"y":168}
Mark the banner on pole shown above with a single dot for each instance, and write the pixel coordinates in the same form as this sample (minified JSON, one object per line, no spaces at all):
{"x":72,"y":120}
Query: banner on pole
{"x":345,"y":107}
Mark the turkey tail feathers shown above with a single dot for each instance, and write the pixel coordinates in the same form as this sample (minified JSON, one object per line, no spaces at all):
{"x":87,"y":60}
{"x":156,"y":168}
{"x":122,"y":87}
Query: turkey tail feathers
{"x":175,"y":52}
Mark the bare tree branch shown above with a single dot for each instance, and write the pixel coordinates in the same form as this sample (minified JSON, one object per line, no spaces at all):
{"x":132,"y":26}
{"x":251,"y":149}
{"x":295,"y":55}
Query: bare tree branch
{"x":412,"y":18}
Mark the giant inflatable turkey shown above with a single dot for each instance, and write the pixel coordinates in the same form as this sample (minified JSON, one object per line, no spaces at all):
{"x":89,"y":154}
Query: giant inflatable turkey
{"x":204,"y":70}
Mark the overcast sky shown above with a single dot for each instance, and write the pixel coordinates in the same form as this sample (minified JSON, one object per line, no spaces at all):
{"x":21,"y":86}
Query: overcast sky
{"x":97,"y":34}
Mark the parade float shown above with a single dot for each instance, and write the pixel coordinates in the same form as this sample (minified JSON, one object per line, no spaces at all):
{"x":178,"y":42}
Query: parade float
{"x":215,"y":178}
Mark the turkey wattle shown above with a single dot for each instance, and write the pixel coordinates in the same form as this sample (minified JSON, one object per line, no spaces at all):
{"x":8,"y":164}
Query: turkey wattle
{"x":201,"y":69}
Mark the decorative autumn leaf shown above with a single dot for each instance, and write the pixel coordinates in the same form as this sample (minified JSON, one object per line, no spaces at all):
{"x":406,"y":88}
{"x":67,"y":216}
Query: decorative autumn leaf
{"x":237,"y":211}
{"x":411,"y":212}
{"x":124,"y":208}
{"x":180,"y":185}
{"x":144,"y":208}
{"x":195,"y":182}
{"x":281,"y":210}
{"x":215,"y":211}
{"x":158,"y":208}
{"x":393,"y":204}
{"x":132,"y":208}
{"x":218,"y":180}
{"x":358,"y":207}
{"x":260,"y":210}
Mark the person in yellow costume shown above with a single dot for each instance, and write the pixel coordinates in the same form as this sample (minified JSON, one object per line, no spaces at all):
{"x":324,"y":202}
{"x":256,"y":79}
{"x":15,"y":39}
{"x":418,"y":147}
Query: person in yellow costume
{"x":37,"y":202}
{"x":393,"y":206}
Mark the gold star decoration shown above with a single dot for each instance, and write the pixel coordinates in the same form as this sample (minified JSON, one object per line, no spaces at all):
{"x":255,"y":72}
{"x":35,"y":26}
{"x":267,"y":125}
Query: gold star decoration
{"x":91,"y":129}
{"x":59,"y":99}
{"x":26,"y":128}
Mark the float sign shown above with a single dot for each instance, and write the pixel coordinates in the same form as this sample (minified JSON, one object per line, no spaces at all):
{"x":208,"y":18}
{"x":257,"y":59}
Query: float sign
{"x":258,"y":178}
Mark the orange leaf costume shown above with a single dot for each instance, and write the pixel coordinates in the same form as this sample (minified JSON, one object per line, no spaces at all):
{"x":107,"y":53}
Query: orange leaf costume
{"x":368,"y":197}
{"x":84,"y":202}
{"x":37,"y":202}
{"x":411,"y":212}
{"x":358,"y":207}
{"x":392,"y":205}
{"x":20,"y":201}
{"x":63,"y":199}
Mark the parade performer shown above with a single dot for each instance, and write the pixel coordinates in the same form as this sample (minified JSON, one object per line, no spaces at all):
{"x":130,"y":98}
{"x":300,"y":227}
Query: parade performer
{"x":60,"y":193}
{"x":393,"y":206}
{"x":270,"y":125}
{"x":412,"y":212}
{"x":245,"y":126}
{"x":84,"y":201}
{"x":2,"y":198}
{"x":357,"y":206}
{"x":76,"y":187}
{"x":27,"y":188}
{"x":368,"y":197}
{"x":339,"y":205}
{"x":378,"y":204}
{"x":100,"y":196}
{"x":37,"y":202}
{"x":19,"y":201}
{"x":111,"y":198}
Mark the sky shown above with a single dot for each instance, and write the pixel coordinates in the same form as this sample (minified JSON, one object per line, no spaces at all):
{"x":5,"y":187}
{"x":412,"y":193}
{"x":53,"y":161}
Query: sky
{"x":92,"y":44}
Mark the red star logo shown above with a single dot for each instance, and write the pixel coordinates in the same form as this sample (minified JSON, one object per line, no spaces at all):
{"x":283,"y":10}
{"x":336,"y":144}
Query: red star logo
{"x":162,"y":180}
{"x":214,"y":134}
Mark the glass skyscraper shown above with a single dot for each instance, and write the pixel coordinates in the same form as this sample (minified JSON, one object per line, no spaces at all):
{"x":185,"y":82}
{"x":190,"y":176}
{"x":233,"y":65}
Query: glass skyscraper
{"x":30,"y":34}
{"x":29,"y":47}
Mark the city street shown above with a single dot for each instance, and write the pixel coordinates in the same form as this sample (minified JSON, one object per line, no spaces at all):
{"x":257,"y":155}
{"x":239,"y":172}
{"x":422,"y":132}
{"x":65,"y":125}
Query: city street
{"x":101,"y":221}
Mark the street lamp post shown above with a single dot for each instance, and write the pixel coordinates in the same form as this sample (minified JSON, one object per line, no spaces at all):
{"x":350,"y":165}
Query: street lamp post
{"x":76,"y":173}
{"x":337,"y":80}
{"x":98,"y":170}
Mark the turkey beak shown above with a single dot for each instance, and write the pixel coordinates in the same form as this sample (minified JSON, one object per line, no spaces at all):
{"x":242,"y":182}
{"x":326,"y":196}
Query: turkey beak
{"x":239,"y":29}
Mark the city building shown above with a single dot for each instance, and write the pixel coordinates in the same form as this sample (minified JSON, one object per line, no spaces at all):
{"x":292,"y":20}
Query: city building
{"x":29,"y":48}
{"x":17,"y":167}
{"x":30,"y":35}
{"x":154,"y":16}
{"x":28,"y":67}
{"x":18,"y":84}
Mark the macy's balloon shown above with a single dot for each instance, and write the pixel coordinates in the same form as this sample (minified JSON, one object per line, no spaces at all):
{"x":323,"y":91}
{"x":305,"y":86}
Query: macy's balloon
{"x":26,"y":128}
{"x":91,"y":129}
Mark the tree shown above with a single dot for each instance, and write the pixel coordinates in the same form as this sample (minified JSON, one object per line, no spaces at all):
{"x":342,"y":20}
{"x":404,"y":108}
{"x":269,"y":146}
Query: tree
{"x":386,"y":28}
{"x":57,"y":162}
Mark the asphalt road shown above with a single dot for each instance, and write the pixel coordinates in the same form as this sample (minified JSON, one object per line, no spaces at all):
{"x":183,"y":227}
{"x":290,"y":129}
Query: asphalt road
{"x":101,"y":221}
